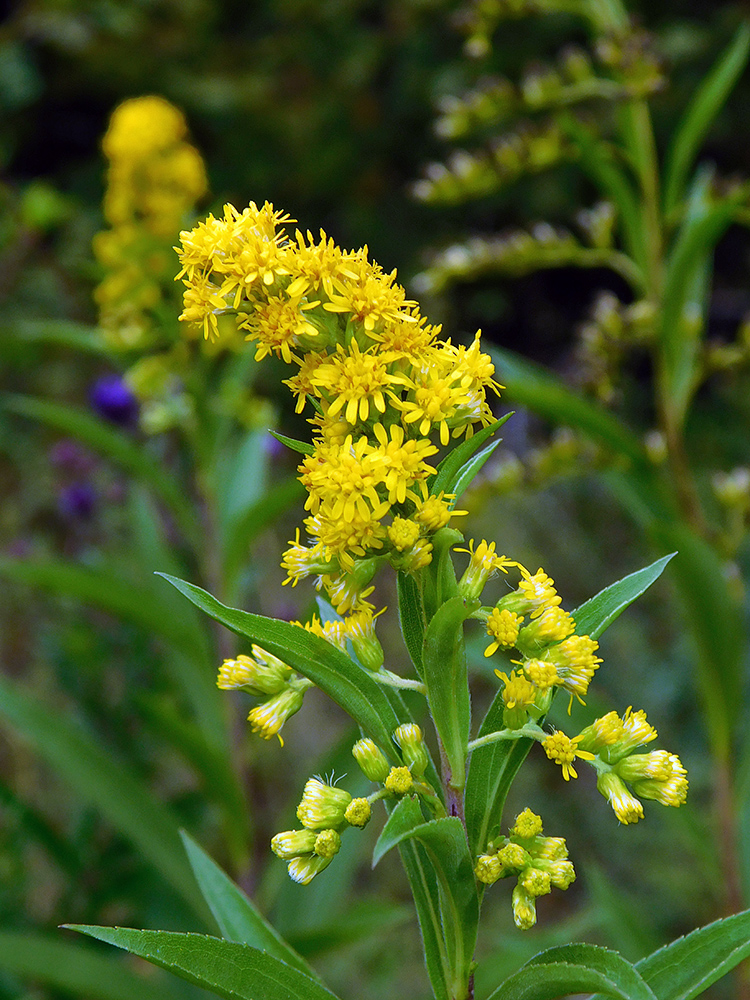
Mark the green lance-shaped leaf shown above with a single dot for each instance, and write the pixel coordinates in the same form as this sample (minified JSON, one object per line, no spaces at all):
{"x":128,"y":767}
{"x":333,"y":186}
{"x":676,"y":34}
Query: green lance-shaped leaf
{"x":688,"y":966}
{"x":576,"y":968}
{"x":598,"y":613}
{"x":411,"y":617}
{"x":445,"y":674}
{"x":233,"y":971}
{"x":700,"y":115}
{"x":76,"y":969}
{"x":302,"y":447}
{"x":238,"y":918}
{"x":545,"y":394}
{"x":115,"y":445}
{"x":463,"y":462}
{"x":444,"y":840}
{"x":106,"y":783}
{"x":492,"y":769}
{"x":332,"y":671}
{"x":424,"y":890}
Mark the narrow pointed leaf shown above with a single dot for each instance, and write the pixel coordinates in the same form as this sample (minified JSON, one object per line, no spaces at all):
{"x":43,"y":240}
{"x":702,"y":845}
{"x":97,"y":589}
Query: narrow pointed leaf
{"x":303,"y":447}
{"x":411,"y":617}
{"x":473,"y":467}
{"x":106,"y":783}
{"x":598,"y":613}
{"x":238,"y":917}
{"x":688,"y":966}
{"x":700,"y":115}
{"x":334,"y":672}
{"x":445,"y":843}
{"x":113,"y":444}
{"x":233,"y":971}
{"x":424,"y":891}
{"x":450,"y":470}
{"x":445,"y":675}
{"x":609,"y":963}
{"x":76,"y":969}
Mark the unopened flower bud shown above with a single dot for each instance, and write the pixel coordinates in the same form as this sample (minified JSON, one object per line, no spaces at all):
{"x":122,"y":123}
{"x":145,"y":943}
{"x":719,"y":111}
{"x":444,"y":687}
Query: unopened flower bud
{"x":322,"y":806}
{"x":304,"y":870}
{"x":263,"y":674}
{"x":371,"y":759}
{"x":535,"y":881}
{"x":488,"y":868}
{"x":358,"y":812}
{"x":293,"y":843}
{"x":399,"y":781}
{"x":626,"y":806}
{"x":409,"y":739}
{"x":513,"y":857}
{"x":327,"y":843}
{"x":527,"y":825}
{"x":524,"y":908}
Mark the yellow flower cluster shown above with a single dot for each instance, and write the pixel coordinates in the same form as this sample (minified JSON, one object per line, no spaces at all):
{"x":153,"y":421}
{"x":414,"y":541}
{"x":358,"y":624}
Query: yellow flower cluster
{"x":154,"y":178}
{"x":384,"y":388}
{"x":537,"y":863}
{"x":531,"y":620}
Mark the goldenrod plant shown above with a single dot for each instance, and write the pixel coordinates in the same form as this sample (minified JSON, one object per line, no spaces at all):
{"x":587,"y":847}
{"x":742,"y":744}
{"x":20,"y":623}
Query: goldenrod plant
{"x":401,"y":423}
{"x":655,"y":219}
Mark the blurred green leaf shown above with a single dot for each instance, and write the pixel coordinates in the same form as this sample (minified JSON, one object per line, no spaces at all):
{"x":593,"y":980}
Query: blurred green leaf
{"x":600,"y":160}
{"x":76,"y":969}
{"x":445,"y":843}
{"x":334,"y":672}
{"x":688,"y":966}
{"x":130,"y":454}
{"x":103,"y":589}
{"x":233,"y":971}
{"x":545,"y":394}
{"x":700,"y":114}
{"x":238,"y":918}
{"x":241,"y":477}
{"x":60,"y":332}
{"x":248,"y":525}
{"x":445,"y":674}
{"x":687,"y":287}
{"x":36,"y":827}
{"x":106,"y":782}
{"x":597,"y":614}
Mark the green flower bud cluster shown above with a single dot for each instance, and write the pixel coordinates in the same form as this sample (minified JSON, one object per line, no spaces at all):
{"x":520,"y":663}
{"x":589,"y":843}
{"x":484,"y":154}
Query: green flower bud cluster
{"x":325,"y":812}
{"x":536,"y":862}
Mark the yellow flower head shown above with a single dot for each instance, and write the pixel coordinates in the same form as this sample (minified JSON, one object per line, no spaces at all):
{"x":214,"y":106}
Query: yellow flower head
{"x":488,"y":868}
{"x":399,"y":780}
{"x":518,"y":690}
{"x":541,"y":673}
{"x":527,"y":825}
{"x":563,"y":751}
{"x":323,"y":806}
{"x":484,"y":563}
{"x":503,"y":626}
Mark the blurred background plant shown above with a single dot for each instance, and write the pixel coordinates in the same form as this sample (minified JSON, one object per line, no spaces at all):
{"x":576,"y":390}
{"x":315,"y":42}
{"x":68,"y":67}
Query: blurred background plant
{"x":118,"y":458}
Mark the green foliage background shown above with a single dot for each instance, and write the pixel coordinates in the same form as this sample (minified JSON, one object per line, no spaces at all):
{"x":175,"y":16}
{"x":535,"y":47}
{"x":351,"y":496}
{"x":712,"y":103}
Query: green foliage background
{"x":113,"y":736}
